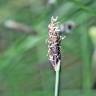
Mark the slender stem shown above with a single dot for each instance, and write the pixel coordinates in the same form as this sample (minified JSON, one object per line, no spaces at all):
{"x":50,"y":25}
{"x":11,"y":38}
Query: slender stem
{"x":57,"y":81}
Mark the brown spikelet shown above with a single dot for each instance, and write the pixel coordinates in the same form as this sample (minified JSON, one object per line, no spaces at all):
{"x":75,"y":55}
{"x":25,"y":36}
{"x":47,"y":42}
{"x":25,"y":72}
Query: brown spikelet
{"x":54,"y":41}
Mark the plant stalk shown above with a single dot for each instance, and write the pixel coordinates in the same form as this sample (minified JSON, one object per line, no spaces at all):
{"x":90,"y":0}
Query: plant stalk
{"x":57,"y":72}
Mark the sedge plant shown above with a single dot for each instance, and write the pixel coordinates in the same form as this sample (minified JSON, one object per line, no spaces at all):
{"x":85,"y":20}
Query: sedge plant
{"x":54,"y":53}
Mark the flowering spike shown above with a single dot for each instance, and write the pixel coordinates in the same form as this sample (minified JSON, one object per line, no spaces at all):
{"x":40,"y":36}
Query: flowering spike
{"x":54,"y":41}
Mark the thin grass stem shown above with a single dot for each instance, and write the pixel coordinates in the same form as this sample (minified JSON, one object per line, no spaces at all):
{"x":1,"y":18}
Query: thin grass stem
{"x":57,"y":74}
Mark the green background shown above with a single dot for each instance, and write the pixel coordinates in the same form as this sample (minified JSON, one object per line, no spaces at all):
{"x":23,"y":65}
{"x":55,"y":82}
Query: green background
{"x":24,"y":66}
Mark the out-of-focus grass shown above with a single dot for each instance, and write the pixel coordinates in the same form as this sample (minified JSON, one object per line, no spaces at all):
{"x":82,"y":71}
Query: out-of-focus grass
{"x":24,"y":68}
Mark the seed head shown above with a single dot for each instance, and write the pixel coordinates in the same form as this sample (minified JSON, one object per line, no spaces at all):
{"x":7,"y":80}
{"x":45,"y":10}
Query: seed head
{"x":54,"y":41}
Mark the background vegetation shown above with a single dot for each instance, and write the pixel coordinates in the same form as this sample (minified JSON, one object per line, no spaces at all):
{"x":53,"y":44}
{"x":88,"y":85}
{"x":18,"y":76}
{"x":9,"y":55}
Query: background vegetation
{"x":24,"y":65}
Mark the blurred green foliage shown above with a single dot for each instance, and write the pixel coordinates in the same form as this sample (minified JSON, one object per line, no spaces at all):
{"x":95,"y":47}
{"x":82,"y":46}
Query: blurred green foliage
{"x":24,"y":66}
